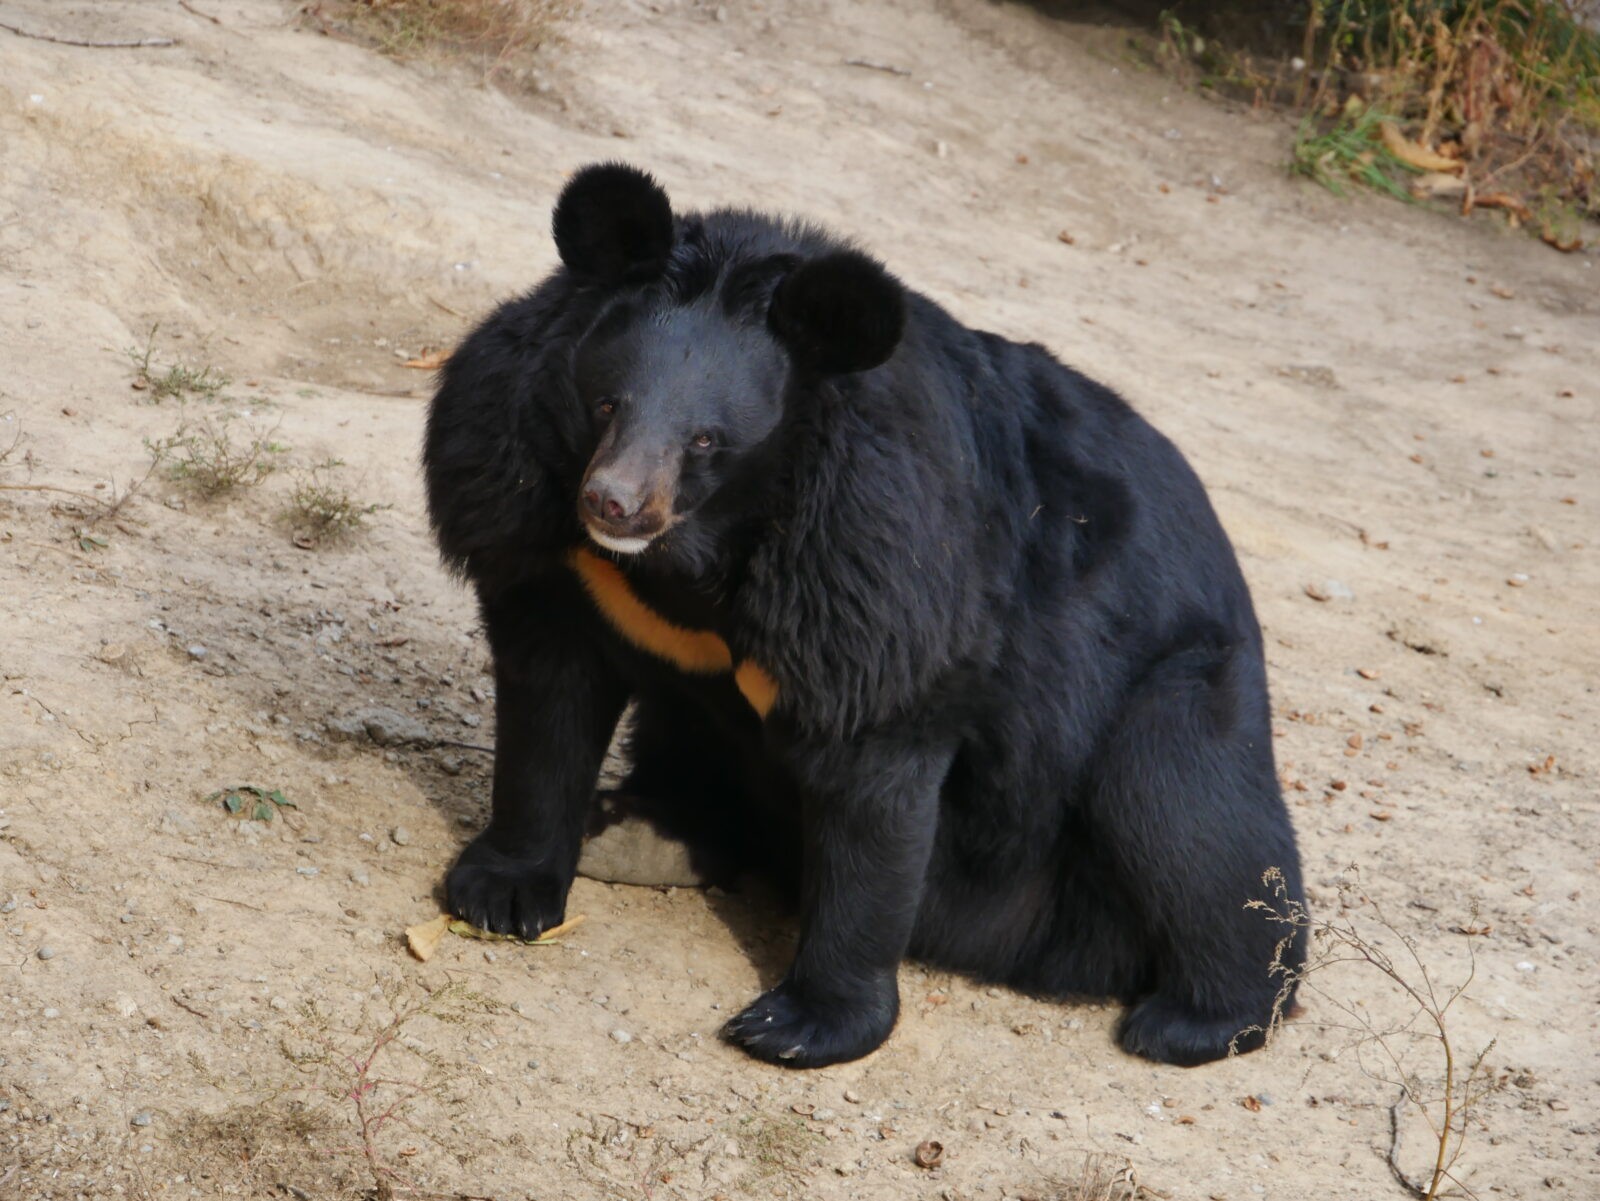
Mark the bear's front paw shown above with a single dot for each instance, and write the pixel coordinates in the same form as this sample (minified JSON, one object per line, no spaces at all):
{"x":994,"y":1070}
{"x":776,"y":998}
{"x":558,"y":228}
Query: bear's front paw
{"x":504,"y":893}
{"x":786,"y":1027}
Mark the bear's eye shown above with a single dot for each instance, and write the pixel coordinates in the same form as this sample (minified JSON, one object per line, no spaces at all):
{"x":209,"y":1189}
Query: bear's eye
{"x":703,"y":441}
{"x":606,"y":407}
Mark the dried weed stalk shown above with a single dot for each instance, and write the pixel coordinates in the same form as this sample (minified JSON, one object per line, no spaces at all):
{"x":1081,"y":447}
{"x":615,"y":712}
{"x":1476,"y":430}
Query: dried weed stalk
{"x":381,"y":1077}
{"x":1445,"y":1096}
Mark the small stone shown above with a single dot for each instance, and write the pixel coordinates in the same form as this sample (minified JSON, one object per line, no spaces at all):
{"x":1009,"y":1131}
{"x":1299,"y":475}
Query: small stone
{"x":141,"y":1119}
{"x":46,"y":952}
{"x":824,"y":1115}
{"x":400,"y":836}
{"x":533,"y":1065}
{"x":52,"y":1013}
{"x":198,"y":652}
{"x":619,"y":1035}
{"x":307,"y":871}
{"x":360,"y":878}
{"x":383,"y":726}
{"x":278,"y":1003}
{"x":852,"y":1096}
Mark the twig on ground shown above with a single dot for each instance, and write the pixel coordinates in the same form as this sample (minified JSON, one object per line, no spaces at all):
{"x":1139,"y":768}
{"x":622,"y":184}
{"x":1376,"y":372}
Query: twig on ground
{"x":189,"y":8}
{"x":134,"y":44}
{"x":870,"y":65}
{"x":465,"y":746}
{"x":1410,"y":1185}
{"x":188,"y":1008}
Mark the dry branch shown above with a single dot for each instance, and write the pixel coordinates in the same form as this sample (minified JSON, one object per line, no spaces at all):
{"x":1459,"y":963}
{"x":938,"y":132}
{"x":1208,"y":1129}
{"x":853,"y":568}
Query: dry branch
{"x":135,"y":44}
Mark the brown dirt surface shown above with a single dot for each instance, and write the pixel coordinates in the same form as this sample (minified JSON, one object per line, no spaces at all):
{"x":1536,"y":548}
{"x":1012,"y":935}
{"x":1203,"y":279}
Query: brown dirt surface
{"x":1394,"y":410}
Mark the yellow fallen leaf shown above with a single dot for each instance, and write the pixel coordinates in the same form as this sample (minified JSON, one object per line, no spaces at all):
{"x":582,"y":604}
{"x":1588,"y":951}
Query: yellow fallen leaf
{"x":423,"y":940}
{"x":1410,"y":153}
{"x":1436,"y":183}
{"x":428,"y":360}
{"x":467,"y":930}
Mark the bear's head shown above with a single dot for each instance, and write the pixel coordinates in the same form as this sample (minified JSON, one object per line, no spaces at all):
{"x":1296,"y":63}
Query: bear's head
{"x":708,"y":333}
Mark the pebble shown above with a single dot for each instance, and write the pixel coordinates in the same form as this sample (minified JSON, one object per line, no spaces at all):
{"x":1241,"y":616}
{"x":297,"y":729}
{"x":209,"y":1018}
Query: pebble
{"x":533,"y":1065}
{"x":278,"y":1003}
{"x":10,"y":905}
{"x":619,"y":1035}
{"x":852,"y":1096}
{"x":52,"y":1013}
{"x":141,"y":1119}
{"x":400,"y":836}
{"x":307,"y":871}
{"x":198,"y":652}
{"x":382,"y":725}
{"x":47,"y":952}
{"x":360,"y":879}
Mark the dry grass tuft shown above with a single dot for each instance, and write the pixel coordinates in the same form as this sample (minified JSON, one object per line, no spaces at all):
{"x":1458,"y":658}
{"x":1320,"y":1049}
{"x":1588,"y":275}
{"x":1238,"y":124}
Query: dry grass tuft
{"x":505,"y":40}
{"x":1490,"y":104}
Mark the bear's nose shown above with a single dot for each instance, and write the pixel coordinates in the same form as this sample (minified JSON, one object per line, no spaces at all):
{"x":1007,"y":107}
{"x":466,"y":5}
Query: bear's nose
{"x":606,"y":503}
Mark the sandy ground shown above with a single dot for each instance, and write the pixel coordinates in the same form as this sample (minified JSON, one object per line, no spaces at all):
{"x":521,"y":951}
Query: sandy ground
{"x":1391,"y":407}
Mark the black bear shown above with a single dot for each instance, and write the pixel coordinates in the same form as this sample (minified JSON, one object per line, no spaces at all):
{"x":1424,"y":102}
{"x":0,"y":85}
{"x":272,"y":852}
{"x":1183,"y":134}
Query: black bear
{"x":928,"y":623}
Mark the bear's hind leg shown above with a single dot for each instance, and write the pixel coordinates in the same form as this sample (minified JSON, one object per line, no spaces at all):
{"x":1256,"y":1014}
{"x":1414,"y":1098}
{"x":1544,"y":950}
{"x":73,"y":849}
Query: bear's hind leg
{"x":689,"y":778}
{"x":1186,"y":806}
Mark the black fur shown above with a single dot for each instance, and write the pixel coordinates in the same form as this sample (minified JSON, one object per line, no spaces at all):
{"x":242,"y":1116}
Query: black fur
{"x":614,"y":223}
{"x":1022,"y":725}
{"x":839,"y":313}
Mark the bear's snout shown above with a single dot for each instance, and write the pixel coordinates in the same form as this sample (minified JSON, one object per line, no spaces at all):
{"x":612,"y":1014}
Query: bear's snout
{"x":622,"y":514}
{"x":610,"y":503}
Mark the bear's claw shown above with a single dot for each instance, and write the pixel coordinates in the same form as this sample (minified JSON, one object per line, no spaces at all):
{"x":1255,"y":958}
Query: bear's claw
{"x":504,"y":894}
{"x":783,"y":1027}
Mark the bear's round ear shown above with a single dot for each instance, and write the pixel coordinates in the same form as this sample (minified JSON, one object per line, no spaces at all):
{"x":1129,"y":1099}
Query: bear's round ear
{"x":613,"y":224}
{"x":839,"y":313}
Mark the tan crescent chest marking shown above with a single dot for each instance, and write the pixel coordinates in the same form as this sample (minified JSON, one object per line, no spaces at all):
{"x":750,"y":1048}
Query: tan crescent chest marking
{"x":699,"y":652}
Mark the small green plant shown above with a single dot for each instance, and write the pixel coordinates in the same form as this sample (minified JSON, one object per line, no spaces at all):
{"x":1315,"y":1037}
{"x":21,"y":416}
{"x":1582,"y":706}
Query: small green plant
{"x":251,"y":802}
{"x":322,"y":508}
{"x":384,"y":1080}
{"x":1349,"y":151}
{"x":177,"y":382}
{"x":207,"y":458}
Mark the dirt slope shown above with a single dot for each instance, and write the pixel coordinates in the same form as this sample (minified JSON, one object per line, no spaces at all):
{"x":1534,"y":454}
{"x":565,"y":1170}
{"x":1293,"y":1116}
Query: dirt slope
{"x":1393,"y":408}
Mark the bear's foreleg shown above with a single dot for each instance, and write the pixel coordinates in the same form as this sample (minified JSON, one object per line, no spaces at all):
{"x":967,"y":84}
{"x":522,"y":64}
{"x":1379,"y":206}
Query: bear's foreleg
{"x":869,"y":814}
{"x":557,"y":702}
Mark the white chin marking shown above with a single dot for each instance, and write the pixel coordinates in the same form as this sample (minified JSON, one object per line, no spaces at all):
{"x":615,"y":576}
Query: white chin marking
{"x":623,"y":546}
